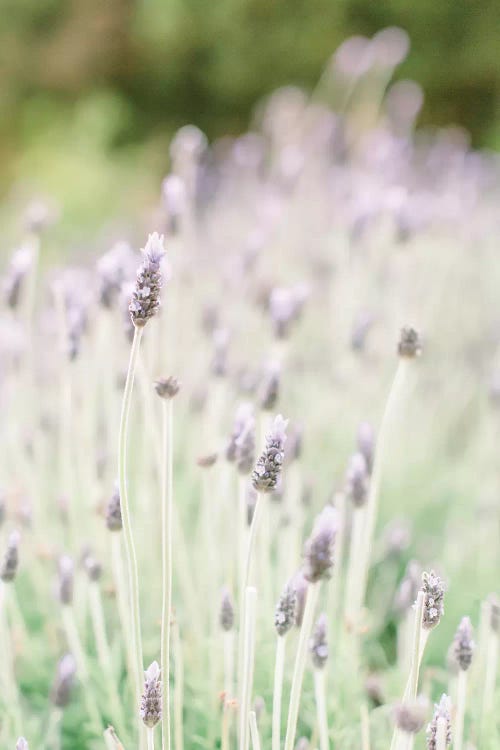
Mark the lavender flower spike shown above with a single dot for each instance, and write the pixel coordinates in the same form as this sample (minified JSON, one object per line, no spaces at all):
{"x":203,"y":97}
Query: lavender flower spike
{"x":318,"y":552}
{"x":64,"y":681}
{"x":226,"y":613}
{"x":22,"y":744}
{"x":284,"y":616}
{"x":318,"y":645}
{"x":463,"y":644}
{"x":433,"y":588}
{"x":114,"y":511}
{"x":151,"y":697}
{"x":267,"y":470}
{"x":146,"y":295}
{"x":10,"y":563}
{"x":442,"y":711}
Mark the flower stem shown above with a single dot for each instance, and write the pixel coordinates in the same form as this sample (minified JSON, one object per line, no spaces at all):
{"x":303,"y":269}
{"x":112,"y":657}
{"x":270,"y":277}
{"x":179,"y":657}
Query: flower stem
{"x":278,"y":691}
{"x":459,"y":718}
{"x":300,"y":663}
{"x":151,"y":738}
{"x":320,"y":695}
{"x":254,"y":731}
{"x":166,"y":520}
{"x":130,"y":553}
{"x":248,"y":663}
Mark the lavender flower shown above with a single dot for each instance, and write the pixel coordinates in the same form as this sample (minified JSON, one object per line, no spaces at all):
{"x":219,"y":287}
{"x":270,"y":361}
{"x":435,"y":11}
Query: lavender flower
{"x":151,"y":698}
{"x":19,"y":267}
{"x":357,"y":481}
{"x":318,"y":644}
{"x":114,"y":511}
{"x":409,"y":343}
{"x":284,"y":616}
{"x":408,"y":588}
{"x":268,"y":467}
{"x":220,"y":341}
{"x":146,"y":295}
{"x":113,"y":270}
{"x":93,"y":567}
{"x":243,"y":422}
{"x":167,"y":387}
{"x":66,"y":569}
{"x":434,"y":589}
{"x":174,"y":196}
{"x":318,"y":551}
{"x":22,"y":744}
{"x":269,"y":388}
{"x":245,"y":447}
{"x":494,"y":613}
{"x":10,"y":563}
{"x":64,"y":681}
{"x":300,"y":585}
{"x":226,"y":615}
{"x":366,"y":443}
{"x":463,"y":644}
{"x":442,"y":710}
{"x":410,"y":717}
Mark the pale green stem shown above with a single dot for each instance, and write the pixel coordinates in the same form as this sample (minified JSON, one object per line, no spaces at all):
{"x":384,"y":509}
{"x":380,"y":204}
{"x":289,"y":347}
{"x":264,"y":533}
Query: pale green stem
{"x":371,"y":506}
{"x":248,"y":664}
{"x":112,"y":740}
{"x":53,"y":729}
{"x":491,"y":674}
{"x":352,"y":580}
{"x":365,"y":727}
{"x":76,"y":649}
{"x":254,"y":731}
{"x":151,"y":738}
{"x":321,"y":713}
{"x":228,"y":665}
{"x":122,"y":597}
{"x":166,"y":519}
{"x":279,"y":668}
{"x":8,"y":677}
{"x":458,"y":732}
{"x":300,"y":663}
{"x":333,"y":592}
{"x":130,"y":553}
{"x":104,"y":653}
{"x":178,"y":690}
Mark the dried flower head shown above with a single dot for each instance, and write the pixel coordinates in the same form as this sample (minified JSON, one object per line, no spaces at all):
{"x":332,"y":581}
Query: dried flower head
{"x":357,"y":480}
{"x":66,"y":569}
{"x":434,"y":589}
{"x":114,"y":511}
{"x":410,"y":717}
{"x":10,"y":563}
{"x":318,"y":551}
{"x":318,"y":645}
{"x":463,"y":644}
{"x":146,"y":295}
{"x":151,"y":697}
{"x":269,"y":388}
{"x":284,"y":616}
{"x":267,"y":470}
{"x":64,"y":681}
{"x":226,"y":615}
{"x":22,"y":744}
{"x":409,"y":343}
{"x":167,"y":387}
{"x":442,"y":711}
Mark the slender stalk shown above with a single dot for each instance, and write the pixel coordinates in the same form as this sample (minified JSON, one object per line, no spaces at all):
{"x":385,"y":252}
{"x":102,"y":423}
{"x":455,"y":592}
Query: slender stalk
{"x":365,"y":727}
{"x":300,"y":663}
{"x":111,"y":739}
{"x":248,"y":663}
{"x":371,"y":506}
{"x":254,"y":731}
{"x":151,"y":738}
{"x":278,"y":691}
{"x":53,"y":729}
{"x":122,"y":597}
{"x":491,"y":674}
{"x":256,"y":519}
{"x":228,"y":664}
{"x":178,"y":689}
{"x":460,"y":714}
{"x":130,"y":553}
{"x":166,"y":523}
{"x":76,"y":648}
{"x":321,"y":713}
{"x":352,"y":580}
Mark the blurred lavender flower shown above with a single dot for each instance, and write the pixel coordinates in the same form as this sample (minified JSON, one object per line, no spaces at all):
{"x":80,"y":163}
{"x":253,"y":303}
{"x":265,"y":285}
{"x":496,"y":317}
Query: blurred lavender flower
{"x":244,"y":413}
{"x":220,"y":340}
{"x":285,"y":306}
{"x":267,"y":470}
{"x":114,"y":268}
{"x":410,"y":717}
{"x":318,"y":551}
{"x":151,"y":702}
{"x":114,"y":511}
{"x":284,"y":616}
{"x":357,"y":480}
{"x":408,"y":588}
{"x":318,"y":644}
{"x":463,"y":644}
{"x":146,"y":294}
{"x":64,"y":681}
{"x":10,"y":563}
{"x":300,"y":585}
{"x":365,"y":439}
{"x":22,"y":744}
{"x":226,"y":615}
{"x":409,"y":343}
{"x":174,"y":196}
{"x":269,"y":388}
{"x":20,"y":264}
{"x":66,"y":569}
{"x":167,"y":387}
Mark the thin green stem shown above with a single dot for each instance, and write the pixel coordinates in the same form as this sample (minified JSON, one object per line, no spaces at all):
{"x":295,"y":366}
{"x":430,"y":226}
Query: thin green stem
{"x":320,"y":696}
{"x":178,"y":689}
{"x":254,"y":731}
{"x":300,"y":663}
{"x":151,"y":738}
{"x":278,"y":691}
{"x":459,"y":718}
{"x":76,"y":648}
{"x":166,"y":523}
{"x":130,"y":553}
{"x":248,"y":664}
